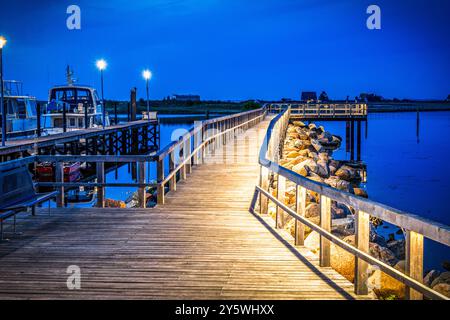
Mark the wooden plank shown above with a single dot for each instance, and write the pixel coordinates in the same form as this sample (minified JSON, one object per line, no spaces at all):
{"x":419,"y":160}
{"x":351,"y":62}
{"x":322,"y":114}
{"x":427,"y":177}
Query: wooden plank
{"x":301,"y":209}
{"x":264,"y":184}
{"x":281,"y":192}
{"x":325,"y":223}
{"x":414,"y":262}
{"x":362,"y":232}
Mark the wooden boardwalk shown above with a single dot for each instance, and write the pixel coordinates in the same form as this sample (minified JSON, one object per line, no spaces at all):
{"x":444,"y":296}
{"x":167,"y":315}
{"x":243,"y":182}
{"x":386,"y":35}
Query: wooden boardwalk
{"x":202,"y":244}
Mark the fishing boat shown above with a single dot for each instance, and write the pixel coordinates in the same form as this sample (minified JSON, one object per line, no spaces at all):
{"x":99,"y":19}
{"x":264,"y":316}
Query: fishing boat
{"x":73,"y":107}
{"x":21,"y":116}
{"x":46,"y":172}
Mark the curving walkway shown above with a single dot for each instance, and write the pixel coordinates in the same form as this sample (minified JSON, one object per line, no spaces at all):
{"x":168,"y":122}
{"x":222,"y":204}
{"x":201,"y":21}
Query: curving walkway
{"x":202,"y":244}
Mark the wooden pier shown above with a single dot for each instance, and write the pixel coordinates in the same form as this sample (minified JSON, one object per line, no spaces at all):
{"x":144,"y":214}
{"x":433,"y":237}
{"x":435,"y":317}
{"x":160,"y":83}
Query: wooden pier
{"x":209,"y":237}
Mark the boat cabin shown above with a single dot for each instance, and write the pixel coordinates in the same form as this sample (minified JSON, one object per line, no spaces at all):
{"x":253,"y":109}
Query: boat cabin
{"x":21,"y":117}
{"x":73,"y":107}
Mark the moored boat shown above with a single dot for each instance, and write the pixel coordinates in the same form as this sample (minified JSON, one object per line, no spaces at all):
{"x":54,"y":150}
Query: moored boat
{"x":21,"y":116}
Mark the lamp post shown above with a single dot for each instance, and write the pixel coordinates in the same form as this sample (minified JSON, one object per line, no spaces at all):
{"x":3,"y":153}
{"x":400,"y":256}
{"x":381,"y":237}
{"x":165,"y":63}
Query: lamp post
{"x":101,"y":65}
{"x":2,"y":106}
{"x":147,"y":74}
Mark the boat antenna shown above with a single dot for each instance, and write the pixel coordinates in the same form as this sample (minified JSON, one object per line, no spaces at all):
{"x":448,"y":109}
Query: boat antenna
{"x":69,"y":76}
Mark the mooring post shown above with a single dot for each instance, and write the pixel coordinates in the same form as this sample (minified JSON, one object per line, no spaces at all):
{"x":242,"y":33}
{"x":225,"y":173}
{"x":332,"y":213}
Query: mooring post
{"x":160,"y":178}
{"x":86,"y":117}
{"x":362,"y":232}
{"x":142,"y":196}
{"x":116,"y":121}
{"x":352,"y":140}
{"x":347,"y":136}
{"x":133,"y":104}
{"x":414,"y":262}
{"x":100,"y":189}
{"x":59,"y":176}
{"x":301,"y":209}
{"x":325,"y":223}
{"x":38,"y":115}
{"x":418,"y":125}
{"x":64,"y":118}
{"x":358,"y":141}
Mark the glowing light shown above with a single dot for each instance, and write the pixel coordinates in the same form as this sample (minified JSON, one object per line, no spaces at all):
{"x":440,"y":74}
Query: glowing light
{"x":147,"y":74}
{"x":2,"y":42}
{"x":101,"y":64}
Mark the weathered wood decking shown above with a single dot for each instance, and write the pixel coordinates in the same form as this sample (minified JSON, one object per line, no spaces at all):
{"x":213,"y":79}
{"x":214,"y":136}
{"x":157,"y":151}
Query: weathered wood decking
{"x":202,"y":244}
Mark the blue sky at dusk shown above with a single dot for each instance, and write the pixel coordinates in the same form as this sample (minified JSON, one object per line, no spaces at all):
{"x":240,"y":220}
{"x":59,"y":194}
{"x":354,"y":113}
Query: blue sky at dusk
{"x":232,"y":49}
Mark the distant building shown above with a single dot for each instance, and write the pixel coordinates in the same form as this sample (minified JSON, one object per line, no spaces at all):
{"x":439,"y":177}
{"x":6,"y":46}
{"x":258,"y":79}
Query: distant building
{"x":309,"y":96}
{"x":448,"y":97}
{"x":186,"y":97}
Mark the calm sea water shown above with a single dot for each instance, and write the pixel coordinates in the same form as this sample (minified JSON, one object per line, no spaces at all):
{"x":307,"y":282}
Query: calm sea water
{"x":406,"y":171}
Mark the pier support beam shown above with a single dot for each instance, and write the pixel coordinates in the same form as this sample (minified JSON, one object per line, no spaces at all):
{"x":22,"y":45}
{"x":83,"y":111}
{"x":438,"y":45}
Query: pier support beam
{"x":100,"y":179}
{"x":347,"y":136}
{"x":141,"y":192}
{"x":352,"y":140}
{"x":59,"y":175}
{"x":358,"y":141}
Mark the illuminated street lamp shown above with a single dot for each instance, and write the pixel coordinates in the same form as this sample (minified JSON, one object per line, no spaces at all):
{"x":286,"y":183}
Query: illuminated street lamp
{"x":2,"y":105}
{"x":147,"y":74}
{"x":101,"y":65}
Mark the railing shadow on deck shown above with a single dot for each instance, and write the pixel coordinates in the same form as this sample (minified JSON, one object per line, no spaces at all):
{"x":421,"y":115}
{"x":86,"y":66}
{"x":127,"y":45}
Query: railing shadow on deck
{"x":295,"y":252}
{"x":416,"y":227}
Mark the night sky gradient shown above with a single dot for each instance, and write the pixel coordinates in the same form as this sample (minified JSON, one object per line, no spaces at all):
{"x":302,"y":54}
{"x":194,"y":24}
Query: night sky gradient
{"x":233,"y":49}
